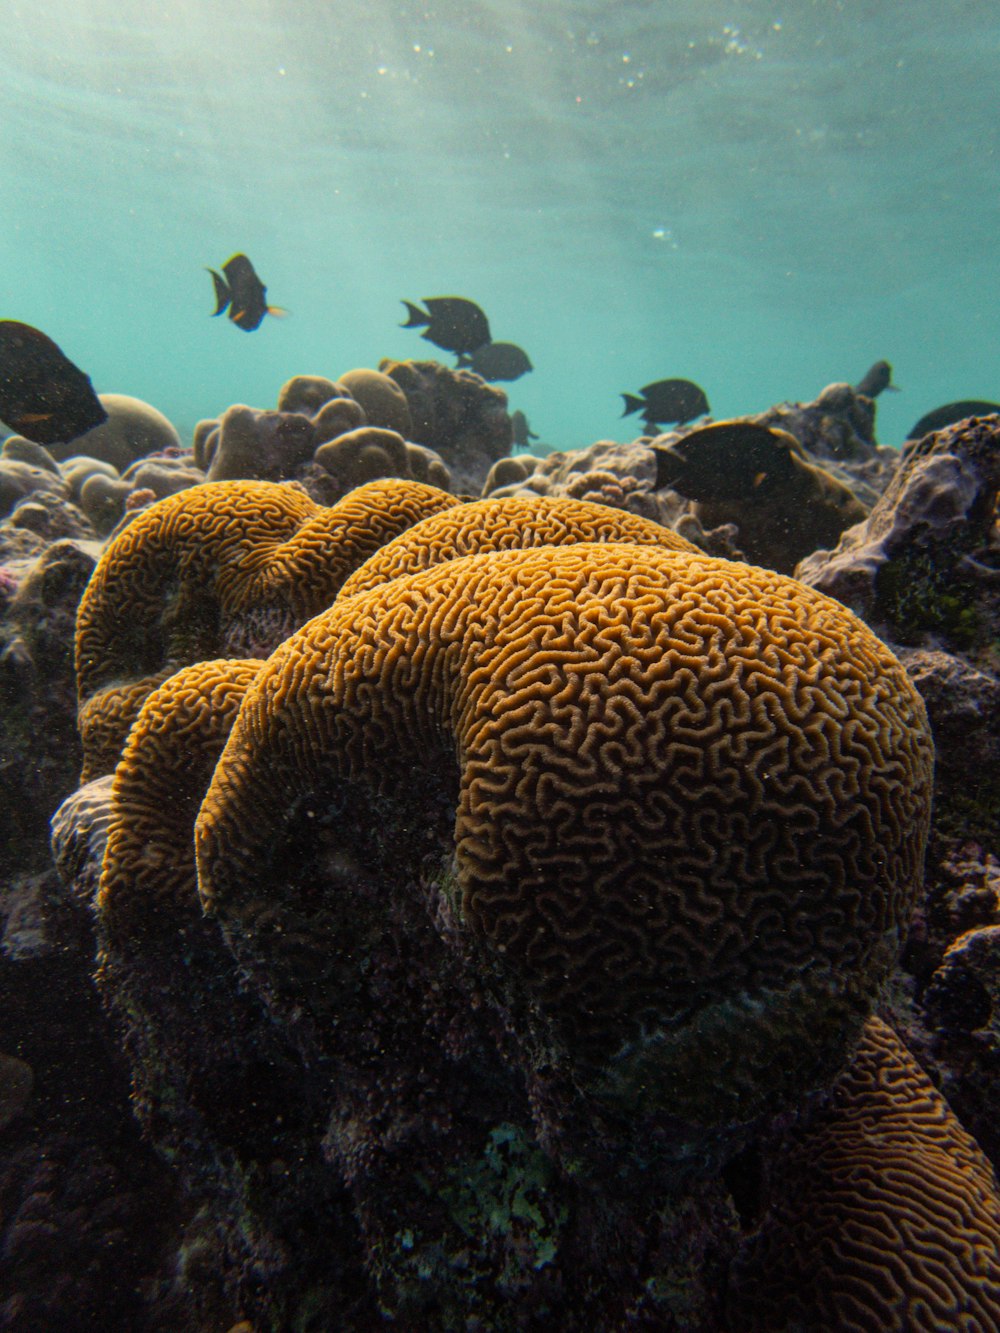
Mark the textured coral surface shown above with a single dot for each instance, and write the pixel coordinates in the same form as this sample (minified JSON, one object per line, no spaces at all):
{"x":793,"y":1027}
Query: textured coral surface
{"x":691,"y":802}
{"x":148,"y":871}
{"x":513,"y":523}
{"x":227,"y":568}
{"x":884,"y":1213}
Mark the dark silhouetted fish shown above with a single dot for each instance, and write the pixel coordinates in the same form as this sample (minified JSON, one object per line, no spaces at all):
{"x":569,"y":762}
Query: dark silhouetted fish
{"x":949,"y":414}
{"x":875,"y":379}
{"x":667,"y":401}
{"x":760,"y":478}
{"x":243,"y":292}
{"x":728,"y":460}
{"x":497,"y":361}
{"x":452,"y":322}
{"x":522,"y":431}
{"x":43,"y":395}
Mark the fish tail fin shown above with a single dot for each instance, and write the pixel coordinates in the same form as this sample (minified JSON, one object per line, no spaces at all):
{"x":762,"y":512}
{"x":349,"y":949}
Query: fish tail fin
{"x":669,"y":466}
{"x":222,"y":293}
{"x":278,"y":311}
{"x":416,"y":316}
{"x":632,"y":404}
{"x":462,"y":359}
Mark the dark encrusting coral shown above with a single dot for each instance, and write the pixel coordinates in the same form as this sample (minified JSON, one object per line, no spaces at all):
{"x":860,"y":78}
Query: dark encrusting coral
{"x":442,"y":1054}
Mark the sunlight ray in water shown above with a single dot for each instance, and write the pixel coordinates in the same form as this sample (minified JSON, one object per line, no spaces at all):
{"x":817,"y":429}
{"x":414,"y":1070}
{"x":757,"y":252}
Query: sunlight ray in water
{"x":768,"y":202}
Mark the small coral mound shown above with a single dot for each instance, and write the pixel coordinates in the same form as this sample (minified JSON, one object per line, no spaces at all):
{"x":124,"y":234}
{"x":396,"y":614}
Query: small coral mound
{"x":21,"y":479}
{"x":383,"y":401}
{"x":690,"y":799}
{"x":229,"y":569}
{"x":881,"y":1214}
{"x":134,"y":429}
{"x":263,"y":446}
{"x":456,"y":414}
{"x":356,"y":456}
{"x":330,"y":436}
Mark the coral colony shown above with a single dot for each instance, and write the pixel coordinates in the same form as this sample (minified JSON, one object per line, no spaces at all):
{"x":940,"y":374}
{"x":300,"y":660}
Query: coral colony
{"x":495,"y":891}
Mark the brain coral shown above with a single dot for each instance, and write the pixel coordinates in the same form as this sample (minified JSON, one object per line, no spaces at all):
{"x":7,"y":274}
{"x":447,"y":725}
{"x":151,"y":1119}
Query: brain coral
{"x":884,"y":1213}
{"x":212,"y":1079}
{"x":689,"y":804}
{"x":224,"y":569}
{"x":511,"y":523}
{"x":147,"y":878}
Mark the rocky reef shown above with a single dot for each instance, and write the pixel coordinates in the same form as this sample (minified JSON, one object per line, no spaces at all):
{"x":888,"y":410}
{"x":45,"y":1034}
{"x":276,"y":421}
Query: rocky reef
{"x":506,"y":913}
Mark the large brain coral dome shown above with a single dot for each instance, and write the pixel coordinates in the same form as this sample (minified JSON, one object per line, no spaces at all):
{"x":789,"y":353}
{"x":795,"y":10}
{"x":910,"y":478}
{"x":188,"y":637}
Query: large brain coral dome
{"x":688,"y":801}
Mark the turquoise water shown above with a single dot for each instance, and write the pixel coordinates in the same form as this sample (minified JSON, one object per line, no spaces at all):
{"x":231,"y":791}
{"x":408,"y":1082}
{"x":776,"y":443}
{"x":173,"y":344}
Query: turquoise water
{"x":762,"y":197}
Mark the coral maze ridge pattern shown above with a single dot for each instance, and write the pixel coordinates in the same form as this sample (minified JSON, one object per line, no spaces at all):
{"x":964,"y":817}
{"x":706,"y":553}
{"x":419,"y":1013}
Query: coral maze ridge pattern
{"x":692,"y":794}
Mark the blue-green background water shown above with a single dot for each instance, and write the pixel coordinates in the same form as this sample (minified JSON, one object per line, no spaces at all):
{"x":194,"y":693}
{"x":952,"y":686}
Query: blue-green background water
{"x":763,"y":197}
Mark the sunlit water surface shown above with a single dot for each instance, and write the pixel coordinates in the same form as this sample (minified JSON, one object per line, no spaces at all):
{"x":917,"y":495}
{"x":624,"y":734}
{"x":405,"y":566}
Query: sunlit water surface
{"x":762,"y":197}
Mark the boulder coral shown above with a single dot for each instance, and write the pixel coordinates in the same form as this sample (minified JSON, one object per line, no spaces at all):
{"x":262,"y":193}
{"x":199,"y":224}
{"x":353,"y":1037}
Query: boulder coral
{"x":321,"y":436}
{"x":925,"y":565}
{"x":106,"y":499}
{"x":354,"y":457}
{"x":227,"y":568}
{"x":383,"y":401}
{"x":689,"y":804}
{"x":134,"y":429}
{"x":264,"y":446}
{"x":378,"y":399}
{"x":19,"y":480}
{"x":456,"y":414}
{"x":307,"y":393}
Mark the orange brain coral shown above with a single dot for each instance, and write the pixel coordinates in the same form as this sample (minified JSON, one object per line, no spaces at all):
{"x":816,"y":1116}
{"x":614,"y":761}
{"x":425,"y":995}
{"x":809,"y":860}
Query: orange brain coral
{"x":690,"y":803}
{"x":222,"y":569}
{"x":148,"y":878}
{"x":506,"y":524}
{"x":885,"y":1213}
